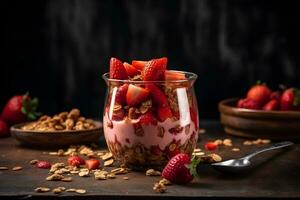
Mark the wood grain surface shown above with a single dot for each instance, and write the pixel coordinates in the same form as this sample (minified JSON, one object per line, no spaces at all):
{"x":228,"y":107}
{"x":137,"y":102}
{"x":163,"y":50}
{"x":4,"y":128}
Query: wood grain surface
{"x":276,"y":175}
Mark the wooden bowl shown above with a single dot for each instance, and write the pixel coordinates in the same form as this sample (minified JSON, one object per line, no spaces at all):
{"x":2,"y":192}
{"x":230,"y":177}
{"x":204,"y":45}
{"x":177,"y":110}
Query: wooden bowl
{"x":259,"y":123}
{"x":56,"y":138}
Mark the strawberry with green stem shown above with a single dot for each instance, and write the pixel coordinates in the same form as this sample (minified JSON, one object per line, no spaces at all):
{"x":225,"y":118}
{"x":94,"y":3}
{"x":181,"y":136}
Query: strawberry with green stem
{"x":181,"y":169}
{"x":20,"y":108}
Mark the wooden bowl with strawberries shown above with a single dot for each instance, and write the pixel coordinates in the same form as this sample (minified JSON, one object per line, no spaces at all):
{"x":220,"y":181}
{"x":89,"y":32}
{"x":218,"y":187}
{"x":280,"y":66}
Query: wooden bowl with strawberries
{"x":263,"y":114}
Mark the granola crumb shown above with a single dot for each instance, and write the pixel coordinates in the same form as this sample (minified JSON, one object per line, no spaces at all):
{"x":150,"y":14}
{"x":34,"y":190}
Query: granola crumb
{"x":165,"y":182}
{"x":3,"y":168}
{"x":71,"y":190}
{"x":125,"y":178}
{"x":108,"y":163}
{"x":247,"y":143}
{"x":152,"y":172}
{"x":159,"y":188}
{"x":80,"y":191}
{"x":41,"y":189}
{"x":265,"y":141}
{"x":227,"y":142}
{"x":33,"y":162}
{"x":235,"y":149}
{"x":17,"y":168}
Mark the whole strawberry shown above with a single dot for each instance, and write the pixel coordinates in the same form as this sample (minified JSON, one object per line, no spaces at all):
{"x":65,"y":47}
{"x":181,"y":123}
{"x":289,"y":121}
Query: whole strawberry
{"x":180,"y":169}
{"x":290,"y":99}
{"x":3,"y":129}
{"x":19,"y":109}
{"x":259,"y":93}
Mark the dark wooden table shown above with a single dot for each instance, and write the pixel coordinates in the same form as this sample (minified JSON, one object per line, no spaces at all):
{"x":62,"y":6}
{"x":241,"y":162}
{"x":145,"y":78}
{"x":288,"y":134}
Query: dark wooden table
{"x":277,"y":175}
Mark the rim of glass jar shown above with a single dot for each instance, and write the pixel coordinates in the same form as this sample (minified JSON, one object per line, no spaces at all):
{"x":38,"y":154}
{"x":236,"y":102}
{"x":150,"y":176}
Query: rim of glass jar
{"x":190,"y":76}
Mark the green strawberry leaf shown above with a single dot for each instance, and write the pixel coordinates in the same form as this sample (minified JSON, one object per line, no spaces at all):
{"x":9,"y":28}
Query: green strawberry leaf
{"x":297,"y":97}
{"x":31,"y":116}
{"x":193,"y":166}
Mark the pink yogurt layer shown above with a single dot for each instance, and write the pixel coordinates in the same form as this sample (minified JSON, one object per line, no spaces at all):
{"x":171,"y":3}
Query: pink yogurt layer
{"x":124,"y":132}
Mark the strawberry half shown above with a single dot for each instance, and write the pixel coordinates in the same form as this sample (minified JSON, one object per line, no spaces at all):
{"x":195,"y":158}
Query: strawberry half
{"x":158,"y":97}
{"x":19,"y":109}
{"x":121,"y":95}
{"x":164,"y":113}
{"x":117,"y":69}
{"x":154,"y":70}
{"x":139,"y":64}
{"x":147,"y":119}
{"x":131,"y":71}
{"x":136,"y":95}
{"x":180,"y":169}
{"x":92,"y":164}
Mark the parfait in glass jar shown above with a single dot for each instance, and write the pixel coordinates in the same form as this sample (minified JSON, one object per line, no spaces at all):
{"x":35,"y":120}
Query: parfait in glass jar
{"x":150,"y":113}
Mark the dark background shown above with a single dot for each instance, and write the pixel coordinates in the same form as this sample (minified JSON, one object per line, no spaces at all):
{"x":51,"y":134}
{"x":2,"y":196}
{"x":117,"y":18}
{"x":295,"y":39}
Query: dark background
{"x":58,"y":49}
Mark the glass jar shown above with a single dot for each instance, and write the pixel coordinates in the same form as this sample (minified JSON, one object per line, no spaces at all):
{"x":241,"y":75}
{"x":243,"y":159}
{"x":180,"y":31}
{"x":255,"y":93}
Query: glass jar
{"x":143,"y":131}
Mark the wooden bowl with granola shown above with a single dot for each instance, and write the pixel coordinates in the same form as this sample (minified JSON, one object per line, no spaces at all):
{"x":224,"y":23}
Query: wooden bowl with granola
{"x":259,"y":123}
{"x":66,"y":128}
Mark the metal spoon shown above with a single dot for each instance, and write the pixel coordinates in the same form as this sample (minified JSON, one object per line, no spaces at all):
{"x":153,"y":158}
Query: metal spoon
{"x":241,"y":164}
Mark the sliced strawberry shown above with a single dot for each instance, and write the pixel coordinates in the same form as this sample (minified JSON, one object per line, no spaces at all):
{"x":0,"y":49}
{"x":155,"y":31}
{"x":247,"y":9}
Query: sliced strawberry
{"x":121,"y":95}
{"x":148,"y":119}
{"x":173,"y":75}
{"x":139,"y":64}
{"x":131,"y":71}
{"x":76,"y":161}
{"x":117,"y":69}
{"x":164,"y":113}
{"x":154,"y":70}
{"x":136,"y":95}
{"x":92,"y":164}
{"x":158,"y":97}
{"x":210,"y":146}
{"x":43,"y":165}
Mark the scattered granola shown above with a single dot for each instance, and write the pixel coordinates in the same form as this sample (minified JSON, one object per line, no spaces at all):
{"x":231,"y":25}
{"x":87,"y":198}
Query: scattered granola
{"x":235,"y":149}
{"x":71,"y":190}
{"x":33,"y":162}
{"x":80,"y":191}
{"x":17,"y":168}
{"x":125,"y":178}
{"x":41,"y":189}
{"x":3,"y":168}
{"x":152,"y":172}
{"x":67,"y":179}
{"x":227,"y":142}
{"x":55,"y":177}
{"x":159,"y":188}
{"x":165,"y":182}
{"x":107,"y":156}
{"x":108,"y":163}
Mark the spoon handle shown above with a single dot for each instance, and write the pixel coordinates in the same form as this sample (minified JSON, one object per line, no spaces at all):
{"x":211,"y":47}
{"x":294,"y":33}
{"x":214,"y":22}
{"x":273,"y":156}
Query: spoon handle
{"x":271,"y":147}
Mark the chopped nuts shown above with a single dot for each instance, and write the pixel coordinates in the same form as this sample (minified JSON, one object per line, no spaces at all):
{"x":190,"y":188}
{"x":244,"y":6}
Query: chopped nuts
{"x":17,"y":168}
{"x":42,"y":189}
{"x":152,"y":172}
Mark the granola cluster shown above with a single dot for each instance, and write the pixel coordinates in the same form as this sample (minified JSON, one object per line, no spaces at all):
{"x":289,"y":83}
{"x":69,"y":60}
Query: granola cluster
{"x":64,"y":121}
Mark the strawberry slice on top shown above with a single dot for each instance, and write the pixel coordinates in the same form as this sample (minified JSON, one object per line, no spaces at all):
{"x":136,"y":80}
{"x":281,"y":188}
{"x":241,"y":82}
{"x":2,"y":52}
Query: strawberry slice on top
{"x":131,"y":71}
{"x":174,"y":75}
{"x":121,"y":94}
{"x":154,"y":69}
{"x":139,"y":64}
{"x":117,"y":69}
{"x":136,"y":95}
{"x":158,"y":97}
